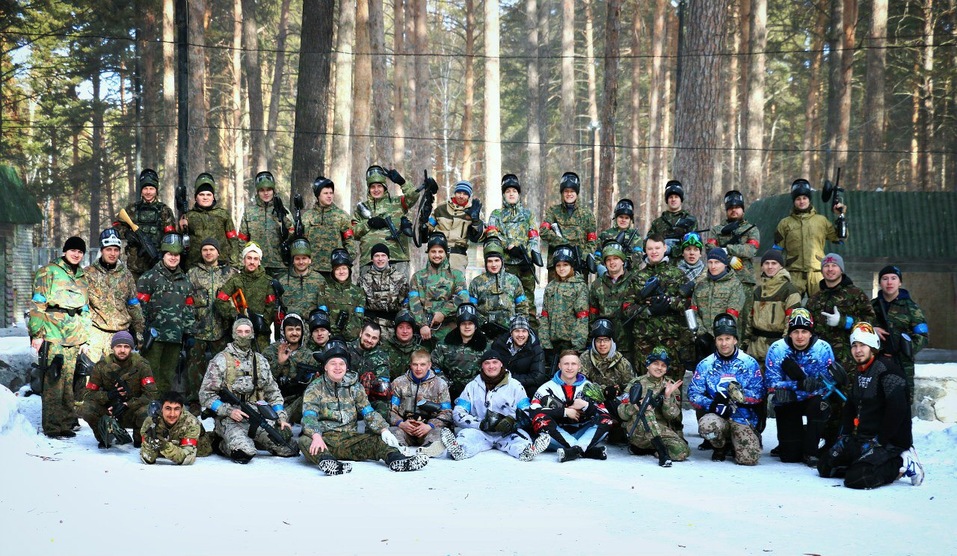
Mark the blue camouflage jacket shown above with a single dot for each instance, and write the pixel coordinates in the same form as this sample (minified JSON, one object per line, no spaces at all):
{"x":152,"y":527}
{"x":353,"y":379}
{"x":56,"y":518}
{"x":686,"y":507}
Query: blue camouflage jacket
{"x":707,"y":381}
{"x":813,"y":361}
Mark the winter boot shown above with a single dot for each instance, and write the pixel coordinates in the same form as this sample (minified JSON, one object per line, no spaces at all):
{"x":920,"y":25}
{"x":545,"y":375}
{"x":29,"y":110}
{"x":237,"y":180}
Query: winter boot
{"x":393,"y":442}
{"x":719,"y":454}
{"x":569,"y":454}
{"x":635,"y":450}
{"x":238,"y":456}
{"x":536,"y":447}
{"x":331,"y":466}
{"x":596,"y":452}
{"x":706,"y":445}
{"x":456,"y":451}
{"x":397,"y":462}
{"x":911,"y":467}
{"x":775,"y":452}
{"x":432,"y":450}
{"x":664,"y":460}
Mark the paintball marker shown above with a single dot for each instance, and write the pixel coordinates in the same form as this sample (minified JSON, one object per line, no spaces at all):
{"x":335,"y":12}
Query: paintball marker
{"x":794,"y":372}
{"x":279,"y":290}
{"x":898,"y":344}
{"x":149,"y":336}
{"x":651,"y":288}
{"x":117,"y":397}
{"x":182,"y":362}
{"x":182,"y":206}
{"x":654,"y":400}
{"x":258,"y":417}
{"x":82,"y":371}
{"x":835,"y":193}
{"x":146,"y":245}
{"x":45,"y":366}
{"x":732,"y":229}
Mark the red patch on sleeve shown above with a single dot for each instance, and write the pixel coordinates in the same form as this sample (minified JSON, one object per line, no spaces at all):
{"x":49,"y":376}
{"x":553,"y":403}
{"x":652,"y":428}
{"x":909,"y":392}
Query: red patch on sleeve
{"x":189,"y":300}
{"x":592,"y":236}
{"x":220,"y":295}
{"x":347,"y":234}
{"x":533,"y":233}
{"x":733,"y":313}
{"x":787,"y":312}
{"x":624,"y":305}
{"x":143,"y":297}
{"x":582,"y":314}
{"x":231,"y":234}
{"x":693,"y":307}
{"x":169,"y":229}
{"x":491,"y":229}
{"x":544,"y":314}
{"x":754,"y":243}
{"x":712,"y":241}
{"x":270,"y":298}
{"x":147,"y":380}
{"x":91,"y":386}
{"x":187,"y":442}
{"x":546,"y":226}
{"x":242,"y":236}
{"x":593,"y":310}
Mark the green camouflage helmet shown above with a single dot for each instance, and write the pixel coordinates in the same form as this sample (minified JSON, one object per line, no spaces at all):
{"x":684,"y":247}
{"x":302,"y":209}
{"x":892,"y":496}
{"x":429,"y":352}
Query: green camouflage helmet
{"x":205,"y":179}
{"x":265,"y":180}
{"x":300,"y":246}
{"x":658,"y":354}
{"x":612,"y":249}
{"x":172,"y":243}
{"x":493,"y":249}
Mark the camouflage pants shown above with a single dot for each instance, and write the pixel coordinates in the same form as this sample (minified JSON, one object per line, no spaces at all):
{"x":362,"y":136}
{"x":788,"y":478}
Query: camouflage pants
{"x":347,"y":445}
{"x":204,"y":447}
{"x":234,"y":437}
{"x":163,"y":358}
{"x":474,"y":441}
{"x":434,"y":435}
{"x":59,"y":410}
{"x":99,"y":342}
{"x":91,"y":413}
{"x":671,"y":436}
{"x":526,"y":275}
{"x":808,"y":282}
{"x":746,"y":444}
{"x":744,"y":321}
{"x":293,"y":407}
{"x":196,"y":367}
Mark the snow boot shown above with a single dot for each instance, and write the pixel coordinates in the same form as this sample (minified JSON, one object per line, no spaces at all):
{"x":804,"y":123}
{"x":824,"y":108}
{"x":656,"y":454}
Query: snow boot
{"x":596,"y":452}
{"x":397,"y":462}
{"x":456,"y":451}
{"x":664,"y":460}
{"x":912,"y":467}
{"x":331,"y":466}
{"x":241,"y":457}
{"x":719,"y":454}
{"x":536,"y":447}
{"x":569,"y":454}
{"x":775,"y":452}
{"x":393,"y":442}
{"x":432,"y":450}
{"x":706,"y":445}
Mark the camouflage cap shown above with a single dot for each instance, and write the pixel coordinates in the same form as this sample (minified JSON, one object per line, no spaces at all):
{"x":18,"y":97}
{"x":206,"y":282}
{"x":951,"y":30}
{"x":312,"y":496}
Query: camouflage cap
{"x":659,"y":353}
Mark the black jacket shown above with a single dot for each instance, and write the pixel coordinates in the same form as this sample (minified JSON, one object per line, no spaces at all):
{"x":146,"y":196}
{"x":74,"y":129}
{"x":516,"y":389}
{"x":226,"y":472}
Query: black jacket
{"x":878,"y":402}
{"x":527,"y":365}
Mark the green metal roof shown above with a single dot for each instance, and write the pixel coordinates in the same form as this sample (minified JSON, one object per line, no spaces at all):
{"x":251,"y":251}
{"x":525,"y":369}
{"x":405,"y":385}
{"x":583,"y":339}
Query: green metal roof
{"x":17,"y":205}
{"x":881,"y":225}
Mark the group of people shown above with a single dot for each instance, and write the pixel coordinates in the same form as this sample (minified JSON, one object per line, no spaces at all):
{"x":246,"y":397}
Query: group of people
{"x":434,"y":365}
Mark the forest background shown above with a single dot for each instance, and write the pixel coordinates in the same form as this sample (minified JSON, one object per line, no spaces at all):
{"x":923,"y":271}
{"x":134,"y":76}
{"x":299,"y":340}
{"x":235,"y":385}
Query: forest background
{"x":720,"y":94}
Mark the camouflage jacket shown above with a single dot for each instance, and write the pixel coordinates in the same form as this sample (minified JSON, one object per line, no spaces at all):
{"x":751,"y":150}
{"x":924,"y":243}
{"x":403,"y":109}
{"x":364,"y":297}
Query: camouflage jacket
{"x":607,"y":298}
{"x":153,"y":219}
{"x":386,"y":291}
{"x":247,"y":375}
{"x":258,"y":291}
{"x":113,"y":302}
{"x":280,"y":370}
{"x":713,"y":297}
{"x":564,"y":313}
{"x":744,"y":247}
{"x":611,"y":370}
{"x":458,"y":361}
{"x":514,"y":225}
{"x":451,"y":220}
{"x":399,"y":354}
{"x":904,"y":316}
{"x":328,"y":228}
{"x":345,"y":303}
{"x":213,"y":222}
{"x":206,"y":281}
{"x":802,"y":236}
{"x":664,"y":225}
{"x":182,"y":438}
{"x":499,"y":297}
{"x":302,"y":293}
{"x":135,"y":372}
{"x":631,"y":241}
{"x":374,"y":360}
{"x":387,"y":207}
{"x":330,"y":406}
{"x":408,"y":391}
{"x":57,"y":288}
{"x":774,"y":299}
{"x":166,"y":296}
{"x":436,"y":290}
{"x":259,"y":224}
{"x":669,"y":412}
{"x":578,"y":229}
{"x":671,"y":281}
{"x":854,"y":306}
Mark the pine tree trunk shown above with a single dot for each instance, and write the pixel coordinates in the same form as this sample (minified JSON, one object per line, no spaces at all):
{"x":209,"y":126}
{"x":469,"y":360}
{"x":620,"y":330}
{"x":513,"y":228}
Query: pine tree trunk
{"x":361,"y":95}
{"x":468,"y":107}
{"x":633,"y":184}
{"x":591,"y":176}
{"x":568,"y":126}
{"x":275,"y":93}
{"x":170,"y":172}
{"x":605,"y":202}
{"x":656,"y":86}
{"x":198,"y":130}
{"x":422,"y":123}
{"x":97,"y":154}
{"x":382,"y":115}
{"x":236,"y":112}
{"x":150,"y":76}
{"x":533,"y":129}
{"x":254,"y":87}
{"x":754,"y":141}
{"x":400,"y":47}
{"x":492,"y":109}
{"x":874,"y":173}
{"x":812,"y":111}
{"x":925,"y":160}
{"x":342,"y":123}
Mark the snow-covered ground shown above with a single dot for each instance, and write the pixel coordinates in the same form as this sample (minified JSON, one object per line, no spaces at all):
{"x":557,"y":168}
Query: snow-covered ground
{"x":68,"y":497}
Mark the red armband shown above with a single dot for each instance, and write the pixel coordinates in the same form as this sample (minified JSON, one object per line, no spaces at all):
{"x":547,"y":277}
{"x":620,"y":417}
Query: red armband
{"x":712,"y":241}
{"x":592,"y":310}
{"x":221,"y":295}
{"x":348,"y":234}
{"x":624,"y":306}
{"x":546,"y":226}
{"x":532,"y":234}
{"x":270,"y":299}
{"x":787,"y":312}
{"x":491,"y":229}
{"x":405,"y":204}
{"x":143,"y":297}
{"x":544,"y":314}
{"x":582,"y":314}
{"x":733,"y":313}
{"x":694,"y":308}
{"x":754,"y":243}
{"x":147,"y":380}
{"x":189,"y":300}
{"x":169,"y":229}
{"x":231,"y":234}
{"x":592,"y":236}
{"x":242,"y":236}
{"x":187,"y":442}
{"x":91,"y":386}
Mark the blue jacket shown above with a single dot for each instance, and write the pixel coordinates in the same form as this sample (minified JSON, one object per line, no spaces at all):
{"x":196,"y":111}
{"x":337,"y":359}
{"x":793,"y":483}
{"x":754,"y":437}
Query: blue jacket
{"x":813,"y":361}
{"x":741,"y":367}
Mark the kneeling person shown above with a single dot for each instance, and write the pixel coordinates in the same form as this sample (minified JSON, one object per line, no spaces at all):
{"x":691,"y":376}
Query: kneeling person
{"x":421,"y":407}
{"x":174,"y":434}
{"x":118,"y":393}
{"x":661,"y":430}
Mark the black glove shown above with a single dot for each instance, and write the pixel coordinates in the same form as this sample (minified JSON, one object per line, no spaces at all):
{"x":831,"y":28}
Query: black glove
{"x":660,"y":305}
{"x":516,"y":252}
{"x":119,"y":410}
{"x":278,"y":209}
{"x":720,"y":408}
{"x":113,"y":394}
{"x":810,"y":384}
{"x":611,"y":392}
{"x":377,"y":223}
{"x":783,"y":396}
{"x":474,"y":210}
{"x":791,"y":368}
{"x":396,"y":177}
{"x":405,"y":227}
{"x":431,"y":186}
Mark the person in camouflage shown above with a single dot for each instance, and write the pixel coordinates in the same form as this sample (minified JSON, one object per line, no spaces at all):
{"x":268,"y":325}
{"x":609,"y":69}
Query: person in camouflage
{"x":174,"y":434}
{"x":166,"y":295}
{"x":371,"y":218}
{"x":460,"y":219}
{"x":281,"y":357}
{"x":253,"y":287}
{"x":740,"y":240}
{"x":498,"y":295}
{"x":603,"y":364}
{"x":411,"y":424}
{"x":564,"y":320}
{"x":665,"y":434}
{"x":610,"y":294}
{"x":153,"y":218}
{"x":303,"y":286}
{"x":728,"y":386}
{"x":386,"y":290}
{"x":206,"y":219}
{"x":266,"y":221}
{"x":674,"y":222}
{"x":720,"y":292}
{"x":60,"y":316}
{"x":624,"y":233}
{"x":456,"y":357}
{"x":121,"y":387}
{"x":112,"y":297}
{"x":516,"y":227}
{"x":802,"y":236}
{"x":206,"y":279}
{"x":660,"y":316}
{"x":327,"y":227}
{"x":343,"y":300}
{"x":569,"y":224}
{"x":401,"y":343}
{"x":435,"y":291}
{"x":245,"y":374}
{"x":774,"y":299}
{"x":691,"y":262}
{"x":332,"y":405}
{"x":901,"y":324}
{"x":371,"y":363}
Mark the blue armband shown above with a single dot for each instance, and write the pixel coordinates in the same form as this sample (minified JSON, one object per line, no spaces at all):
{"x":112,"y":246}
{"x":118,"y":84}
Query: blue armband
{"x":216,"y":405}
{"x":277,"y":408}
{"x":464,"y":404}
{"x":39,"y":298}
{"x":396,"y":401}
{"x":360,"y":310}
{"x":524,"y":403}
{"x":413,"y":293}
{"x":777,"y":247}
{"x":921,"y":328}
{"x":432,"y":221}
{"x":133,"y":301}
{"x":445,"y":405}
{"x":473,"y":300}
{"x":365,"y":411}
{"x":324,"y":308}
{"x":464,"y":292}
{"x":848,"y":322}
{"x":309,"y":413}
{"x":520,"y":298}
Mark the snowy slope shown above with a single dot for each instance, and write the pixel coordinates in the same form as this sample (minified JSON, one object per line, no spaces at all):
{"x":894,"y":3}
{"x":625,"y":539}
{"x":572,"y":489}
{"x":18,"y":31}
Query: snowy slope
{"x":68,"y":497}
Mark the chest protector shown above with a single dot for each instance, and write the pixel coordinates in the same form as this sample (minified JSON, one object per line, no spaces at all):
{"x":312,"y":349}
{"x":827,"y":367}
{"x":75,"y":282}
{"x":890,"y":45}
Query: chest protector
{"x":147,"y":217}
